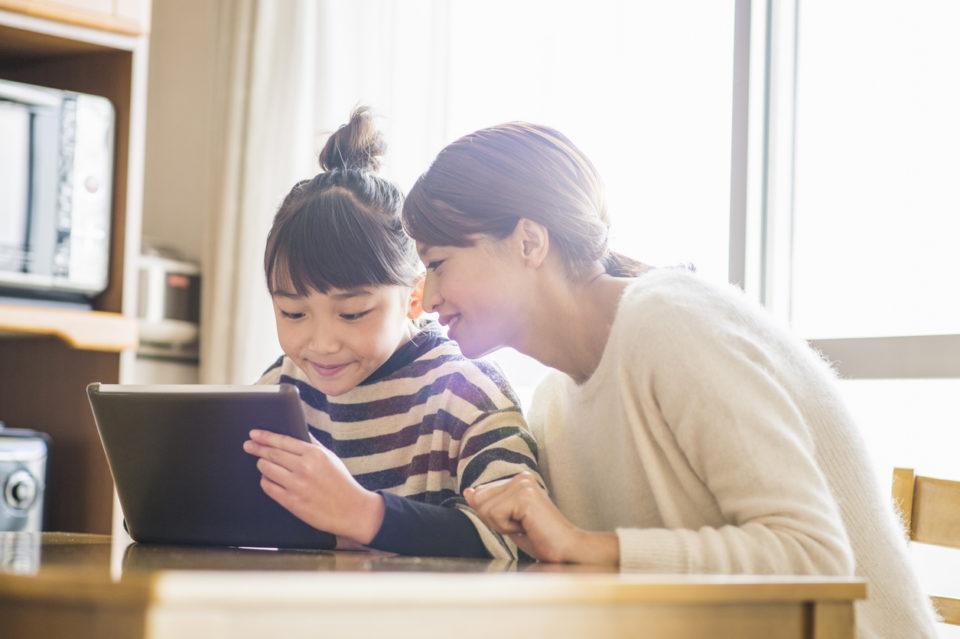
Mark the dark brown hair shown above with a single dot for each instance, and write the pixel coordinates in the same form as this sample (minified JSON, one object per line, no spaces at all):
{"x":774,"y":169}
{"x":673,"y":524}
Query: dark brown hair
{"x":341,"y":229}
{"x":485,"y":182}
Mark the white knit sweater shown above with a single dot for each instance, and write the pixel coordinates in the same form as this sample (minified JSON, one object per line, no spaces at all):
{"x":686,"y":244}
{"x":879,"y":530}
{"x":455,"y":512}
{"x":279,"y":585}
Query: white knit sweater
{"x":712,"y":441}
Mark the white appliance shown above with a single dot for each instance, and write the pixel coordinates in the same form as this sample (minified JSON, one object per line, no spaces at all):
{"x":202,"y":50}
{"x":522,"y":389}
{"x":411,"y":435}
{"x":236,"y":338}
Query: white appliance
{"x":169,"y":305}
{"x":56,"y":177}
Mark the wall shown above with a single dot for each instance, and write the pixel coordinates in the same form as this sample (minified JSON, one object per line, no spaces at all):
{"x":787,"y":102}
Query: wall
{"x":179,"y":167}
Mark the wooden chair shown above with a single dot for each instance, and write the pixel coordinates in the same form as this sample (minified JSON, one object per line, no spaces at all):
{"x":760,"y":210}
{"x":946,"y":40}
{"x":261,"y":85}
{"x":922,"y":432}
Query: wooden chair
{"x":931,"y":515}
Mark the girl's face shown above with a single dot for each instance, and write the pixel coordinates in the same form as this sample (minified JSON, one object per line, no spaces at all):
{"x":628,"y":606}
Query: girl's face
{"x":473,"y":289}
{"x":340,"y":337}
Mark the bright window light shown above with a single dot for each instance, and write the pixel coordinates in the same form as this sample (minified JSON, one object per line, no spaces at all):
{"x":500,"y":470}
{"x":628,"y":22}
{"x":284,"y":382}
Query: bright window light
{"x":877,"y":165}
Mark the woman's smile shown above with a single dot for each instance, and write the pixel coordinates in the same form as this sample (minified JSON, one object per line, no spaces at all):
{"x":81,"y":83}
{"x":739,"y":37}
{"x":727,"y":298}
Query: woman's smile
{"x":450,"y":320}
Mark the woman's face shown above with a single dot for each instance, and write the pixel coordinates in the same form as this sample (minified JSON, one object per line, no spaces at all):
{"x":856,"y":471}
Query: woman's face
{"x":473,"y":290}
{"x":340,"y":337}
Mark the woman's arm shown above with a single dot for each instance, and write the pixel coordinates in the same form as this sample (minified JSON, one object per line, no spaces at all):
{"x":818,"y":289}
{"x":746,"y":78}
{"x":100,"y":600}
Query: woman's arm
{"x":520,"y":509}
{"x":494,"y":450}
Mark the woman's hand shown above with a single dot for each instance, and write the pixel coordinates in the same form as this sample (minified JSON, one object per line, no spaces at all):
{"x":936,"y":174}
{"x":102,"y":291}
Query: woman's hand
{"x":315,"y":485}
{"x":520,"y":508}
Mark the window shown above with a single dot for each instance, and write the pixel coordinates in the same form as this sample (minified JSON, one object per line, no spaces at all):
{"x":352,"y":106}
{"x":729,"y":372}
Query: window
{"x":866,"y":153}
{"x":877,"y":194}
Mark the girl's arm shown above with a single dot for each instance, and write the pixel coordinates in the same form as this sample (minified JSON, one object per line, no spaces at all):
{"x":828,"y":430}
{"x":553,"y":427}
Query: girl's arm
{"x":314,"y":484}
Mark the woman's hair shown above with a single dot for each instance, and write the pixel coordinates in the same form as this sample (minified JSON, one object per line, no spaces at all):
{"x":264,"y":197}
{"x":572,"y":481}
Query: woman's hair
{"x":342,"y":229}
{"x":485,"y":182}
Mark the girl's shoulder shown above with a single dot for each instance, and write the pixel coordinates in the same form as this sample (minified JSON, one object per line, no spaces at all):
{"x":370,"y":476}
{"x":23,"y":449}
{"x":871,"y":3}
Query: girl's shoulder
{"x":280,"y":368}
{"x":480,"y":382}
{"x":432,"y":364}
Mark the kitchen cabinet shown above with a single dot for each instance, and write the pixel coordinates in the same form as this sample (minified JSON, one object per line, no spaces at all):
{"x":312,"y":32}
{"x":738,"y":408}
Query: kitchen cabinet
{"x":48,"y":356}
{"x":121,"y":16}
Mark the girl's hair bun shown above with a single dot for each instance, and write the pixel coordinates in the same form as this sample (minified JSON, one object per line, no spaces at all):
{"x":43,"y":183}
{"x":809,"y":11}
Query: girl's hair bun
{"x":355,"y":145}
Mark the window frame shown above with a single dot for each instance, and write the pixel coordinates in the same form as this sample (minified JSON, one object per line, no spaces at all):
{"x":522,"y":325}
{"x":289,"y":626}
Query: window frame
{"x":762,"y":199}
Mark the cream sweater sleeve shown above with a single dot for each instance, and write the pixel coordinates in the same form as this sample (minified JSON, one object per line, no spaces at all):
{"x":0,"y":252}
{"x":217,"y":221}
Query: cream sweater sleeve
{"x":718,"y":403}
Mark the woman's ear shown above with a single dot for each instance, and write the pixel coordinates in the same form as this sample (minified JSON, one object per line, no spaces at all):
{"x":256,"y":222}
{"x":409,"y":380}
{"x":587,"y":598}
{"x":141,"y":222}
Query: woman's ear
{"x":415,"y":309}
{"x":534,"y":241}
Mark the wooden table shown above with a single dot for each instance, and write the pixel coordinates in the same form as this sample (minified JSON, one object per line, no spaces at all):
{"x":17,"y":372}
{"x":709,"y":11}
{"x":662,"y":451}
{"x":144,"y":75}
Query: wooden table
{"x":68,"y":585}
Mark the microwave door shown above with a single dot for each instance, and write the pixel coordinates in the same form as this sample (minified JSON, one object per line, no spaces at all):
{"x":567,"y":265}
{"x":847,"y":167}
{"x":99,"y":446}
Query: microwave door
{"x":14,"y":184}
{"x":44,"y":226}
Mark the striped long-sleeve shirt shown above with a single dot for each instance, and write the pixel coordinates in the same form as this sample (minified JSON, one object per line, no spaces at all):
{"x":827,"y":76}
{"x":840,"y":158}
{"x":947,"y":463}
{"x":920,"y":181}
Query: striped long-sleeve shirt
{"x":423,"y":427}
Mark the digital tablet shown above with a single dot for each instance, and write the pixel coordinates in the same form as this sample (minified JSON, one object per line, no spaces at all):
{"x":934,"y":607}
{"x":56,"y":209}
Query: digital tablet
{"x":176,"y":456}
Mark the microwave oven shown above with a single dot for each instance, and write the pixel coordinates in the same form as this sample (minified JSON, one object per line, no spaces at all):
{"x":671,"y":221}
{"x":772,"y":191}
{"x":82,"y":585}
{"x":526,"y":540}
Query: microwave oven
{"x":56,"y":181}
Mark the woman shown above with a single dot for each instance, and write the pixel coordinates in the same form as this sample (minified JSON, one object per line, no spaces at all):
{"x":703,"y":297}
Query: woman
{"x":683,"y":430}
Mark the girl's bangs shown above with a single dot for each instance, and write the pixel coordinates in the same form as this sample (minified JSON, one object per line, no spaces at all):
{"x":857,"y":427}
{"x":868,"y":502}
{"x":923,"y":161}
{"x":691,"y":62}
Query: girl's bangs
{"x":339,"y":250}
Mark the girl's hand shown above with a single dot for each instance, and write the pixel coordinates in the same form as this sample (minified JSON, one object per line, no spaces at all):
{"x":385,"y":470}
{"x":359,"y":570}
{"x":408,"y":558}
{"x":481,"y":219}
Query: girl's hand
{"x":520,"y":508}
{"x":315,"y":485}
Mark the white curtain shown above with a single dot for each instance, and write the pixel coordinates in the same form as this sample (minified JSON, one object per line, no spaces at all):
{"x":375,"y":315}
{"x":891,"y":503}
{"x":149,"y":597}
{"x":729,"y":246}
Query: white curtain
{"x":268,"y":75}
{"x":291,"y":72}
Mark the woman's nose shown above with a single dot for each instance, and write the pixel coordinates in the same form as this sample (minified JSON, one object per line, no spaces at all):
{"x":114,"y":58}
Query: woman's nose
{"x":431,"y":297}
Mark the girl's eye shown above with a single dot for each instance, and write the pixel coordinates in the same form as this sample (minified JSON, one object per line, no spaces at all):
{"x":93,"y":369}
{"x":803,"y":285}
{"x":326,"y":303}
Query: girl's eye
{"x":432,"y":266}
{"x":292,"y":316}
{"x":351,"y":317}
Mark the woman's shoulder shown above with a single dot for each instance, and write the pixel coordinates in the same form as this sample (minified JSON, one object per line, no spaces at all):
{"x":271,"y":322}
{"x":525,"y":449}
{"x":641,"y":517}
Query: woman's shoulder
{"x":676,"y":297}
{"x":668,"y":313}
{"x":672,"y":313}
{"x":666,"y":285}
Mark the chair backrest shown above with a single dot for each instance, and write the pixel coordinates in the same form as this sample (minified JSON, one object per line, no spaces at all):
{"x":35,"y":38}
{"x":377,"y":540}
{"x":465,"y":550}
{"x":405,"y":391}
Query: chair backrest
{"x":931,"y":515}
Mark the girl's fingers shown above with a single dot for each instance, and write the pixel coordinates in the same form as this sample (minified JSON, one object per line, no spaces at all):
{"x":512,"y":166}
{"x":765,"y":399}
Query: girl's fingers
{"x":277,"y":456}
{"x":276,"y":440}
{"x":274,"y":472}
{"x":277,"y":492}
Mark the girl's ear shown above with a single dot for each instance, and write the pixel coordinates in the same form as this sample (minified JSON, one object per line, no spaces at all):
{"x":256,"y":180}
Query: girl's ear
{"x":534,"y":241}
{"x":416,"y":301}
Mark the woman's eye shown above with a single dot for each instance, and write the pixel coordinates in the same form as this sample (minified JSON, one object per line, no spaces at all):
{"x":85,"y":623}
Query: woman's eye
{"x":292,"y":316}
{"x":432,"y":266}
{"x":350,"y":317}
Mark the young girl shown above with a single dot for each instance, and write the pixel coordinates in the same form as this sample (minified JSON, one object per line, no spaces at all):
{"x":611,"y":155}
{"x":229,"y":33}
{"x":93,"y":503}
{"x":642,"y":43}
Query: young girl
{"x":684,"y":430}
{"x":403,"y":422}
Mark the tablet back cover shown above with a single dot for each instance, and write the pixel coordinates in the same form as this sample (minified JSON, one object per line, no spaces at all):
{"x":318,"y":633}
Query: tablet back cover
{"x":177,"y":460}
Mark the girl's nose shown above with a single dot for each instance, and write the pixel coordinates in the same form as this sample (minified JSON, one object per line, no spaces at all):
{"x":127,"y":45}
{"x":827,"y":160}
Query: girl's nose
{"x":324,"y":340}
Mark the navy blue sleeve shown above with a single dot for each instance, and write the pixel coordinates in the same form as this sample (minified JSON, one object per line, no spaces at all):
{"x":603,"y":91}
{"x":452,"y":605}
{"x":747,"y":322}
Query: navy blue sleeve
{"x":414,"y":528}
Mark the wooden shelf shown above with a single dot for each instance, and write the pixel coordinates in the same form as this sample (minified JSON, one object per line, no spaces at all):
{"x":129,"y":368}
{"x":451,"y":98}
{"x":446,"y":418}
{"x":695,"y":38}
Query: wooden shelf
{"x":131,"y":17}
{"x":48,"y":355}
{"x":86,"y":330}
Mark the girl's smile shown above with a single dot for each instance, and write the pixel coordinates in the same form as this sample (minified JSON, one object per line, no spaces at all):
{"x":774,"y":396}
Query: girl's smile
{"x":328,"y":371}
